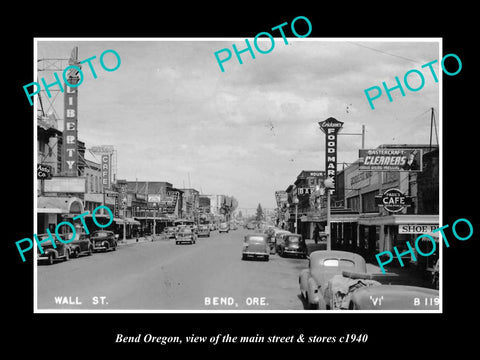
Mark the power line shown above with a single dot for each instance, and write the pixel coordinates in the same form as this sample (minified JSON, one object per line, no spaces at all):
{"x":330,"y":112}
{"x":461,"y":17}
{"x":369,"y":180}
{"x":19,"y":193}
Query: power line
{"x":384,"y":52}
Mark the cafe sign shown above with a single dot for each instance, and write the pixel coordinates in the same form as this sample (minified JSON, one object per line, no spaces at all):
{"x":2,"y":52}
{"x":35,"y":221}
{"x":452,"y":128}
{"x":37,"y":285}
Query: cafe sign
{"x":393,"y":200}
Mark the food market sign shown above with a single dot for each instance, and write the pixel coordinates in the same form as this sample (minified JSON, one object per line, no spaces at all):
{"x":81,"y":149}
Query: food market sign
{"x":393,"y":200}
{"x":331,"y":127}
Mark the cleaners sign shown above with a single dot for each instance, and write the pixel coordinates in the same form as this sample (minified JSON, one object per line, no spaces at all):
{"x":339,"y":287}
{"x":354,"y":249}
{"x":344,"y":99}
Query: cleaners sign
{"x":331,"y":127}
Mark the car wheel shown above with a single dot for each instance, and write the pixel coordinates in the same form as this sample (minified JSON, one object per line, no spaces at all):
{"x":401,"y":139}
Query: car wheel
{"x":90,"y":251}
{"x":176,"y":242}
{"x":67,"y":255}
{"x":267,"y":258}
{"x":51,"y":259}
{"x":244,"y":257}
{"x":114,"y":246}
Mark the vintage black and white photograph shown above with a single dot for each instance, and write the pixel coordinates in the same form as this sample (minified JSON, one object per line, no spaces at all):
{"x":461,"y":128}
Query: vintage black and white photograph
{"x":271,"y":174}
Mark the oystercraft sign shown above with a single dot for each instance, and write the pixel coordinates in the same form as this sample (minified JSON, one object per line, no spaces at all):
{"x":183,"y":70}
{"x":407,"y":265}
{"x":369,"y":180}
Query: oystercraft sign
{"x":393,"y":200}
{"x":331,"y":127}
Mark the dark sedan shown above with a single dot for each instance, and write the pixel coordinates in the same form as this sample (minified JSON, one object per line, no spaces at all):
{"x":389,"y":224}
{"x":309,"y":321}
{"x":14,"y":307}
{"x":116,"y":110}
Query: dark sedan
{"x":256,"y":245}
{"x":293,"y":244}
{"x":103,"y":240}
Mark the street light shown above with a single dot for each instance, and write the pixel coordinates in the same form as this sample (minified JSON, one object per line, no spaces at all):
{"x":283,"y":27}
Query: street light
{"x":328,"y":183}
{"x":295,"y":201}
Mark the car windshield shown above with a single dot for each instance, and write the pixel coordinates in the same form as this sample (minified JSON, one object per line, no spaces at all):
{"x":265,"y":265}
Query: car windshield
{"x":293,"y":239}
{"x":185,"y":231}
{"x":343,"y":263}
{"x":255,"y":239}
{"x":100,"y":234}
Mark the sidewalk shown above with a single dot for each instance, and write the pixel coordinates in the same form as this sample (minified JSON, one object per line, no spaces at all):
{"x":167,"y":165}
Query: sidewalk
{"x":140,"y":239}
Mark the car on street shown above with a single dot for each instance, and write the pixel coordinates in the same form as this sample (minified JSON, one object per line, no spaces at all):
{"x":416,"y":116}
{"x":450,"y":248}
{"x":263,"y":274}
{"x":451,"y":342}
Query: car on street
{"x":395,"y":297}
{"x":170,"y":232}
{"x":292,"y":244}
{"x":256,"y":246}
{"x":203,"y":230}
{"x":185,"y":234}
{"x":250,"y":226}
{"x":103,"y":240}
{"x":81,"y":245}
{"x":224,"y":227}
{"x":61,"y":251}
{"x":322,"y":266}
{"x":279,"y":239}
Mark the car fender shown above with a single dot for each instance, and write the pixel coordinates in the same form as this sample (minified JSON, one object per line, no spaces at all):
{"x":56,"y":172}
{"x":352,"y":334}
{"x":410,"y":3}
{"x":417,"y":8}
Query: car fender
{"x":303,"y":281}
{"x":51,"y":251}
{"x":313,"y":291}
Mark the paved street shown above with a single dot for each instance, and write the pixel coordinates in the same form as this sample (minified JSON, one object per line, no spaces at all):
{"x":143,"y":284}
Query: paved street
{"x":160,"y":275}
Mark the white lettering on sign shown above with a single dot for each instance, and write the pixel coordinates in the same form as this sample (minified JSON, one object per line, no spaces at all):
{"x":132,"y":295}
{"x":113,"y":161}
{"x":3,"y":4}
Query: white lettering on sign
{"x":417,"y":229}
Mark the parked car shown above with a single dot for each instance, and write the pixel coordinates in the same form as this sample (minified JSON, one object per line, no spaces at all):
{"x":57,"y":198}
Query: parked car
{"x":224,"y":227}
{"x":103,"y":240}
{"x":170,"y":232}
{"x":250,"y":226}
{"x":395,"y":297}
{"x":51,"y":254}
{"x":255,"y":245}
{"x":322,"y":266}
{"x":271,"y":234}
{"x":292,"y":244}
{"x":185,"y":234}
{"x":204,"y":230}
{"x":81,"y":245}
{"x":279,"y":239}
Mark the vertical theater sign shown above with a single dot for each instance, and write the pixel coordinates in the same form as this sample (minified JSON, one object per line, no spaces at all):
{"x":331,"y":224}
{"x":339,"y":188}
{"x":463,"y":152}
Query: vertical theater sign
{"x":70,"y":148}
{"x":331,"y":127}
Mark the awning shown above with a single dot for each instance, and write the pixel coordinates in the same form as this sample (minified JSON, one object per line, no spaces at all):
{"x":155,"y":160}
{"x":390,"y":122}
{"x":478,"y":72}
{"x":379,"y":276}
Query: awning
{"x":59,"y":205}
{"x":51,"y":211}
{"x":131,"y":221}
{"x":118,"y":221}
{"x":399,"y":219}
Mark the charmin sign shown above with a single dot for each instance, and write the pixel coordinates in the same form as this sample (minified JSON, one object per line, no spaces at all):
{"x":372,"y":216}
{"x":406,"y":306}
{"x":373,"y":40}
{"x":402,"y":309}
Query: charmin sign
{"x":331,"y":127}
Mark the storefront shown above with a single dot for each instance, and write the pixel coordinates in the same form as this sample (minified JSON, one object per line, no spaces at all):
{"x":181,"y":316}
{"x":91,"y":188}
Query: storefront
{"x":383,"y":233}
{"x":52,"y":210}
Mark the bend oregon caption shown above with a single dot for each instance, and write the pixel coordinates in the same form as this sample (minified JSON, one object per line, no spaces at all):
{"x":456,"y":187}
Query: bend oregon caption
{"x":159,"y":190}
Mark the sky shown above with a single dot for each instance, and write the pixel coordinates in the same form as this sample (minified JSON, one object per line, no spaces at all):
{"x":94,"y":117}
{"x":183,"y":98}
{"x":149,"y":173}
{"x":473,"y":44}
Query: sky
{"x":172,"y":114}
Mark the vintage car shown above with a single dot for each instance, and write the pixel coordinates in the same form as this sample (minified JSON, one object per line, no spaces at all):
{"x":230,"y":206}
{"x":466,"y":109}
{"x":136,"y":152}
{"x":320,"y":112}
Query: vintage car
{"x":81,"y":245}
{"x":292,"y":244}
{"x":203,"y":230}
{"x":185,"y":234}
{"x":103,"y":240}
{"x":255,"y":245}
{"x":322,"y":266}
{"x":395,"y":297}
{"x":250,"y":226}
{"x":279,"y":239}
{"x":61,"y":251}
{"x":170,"y":232}
{"x":224,"y":227}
